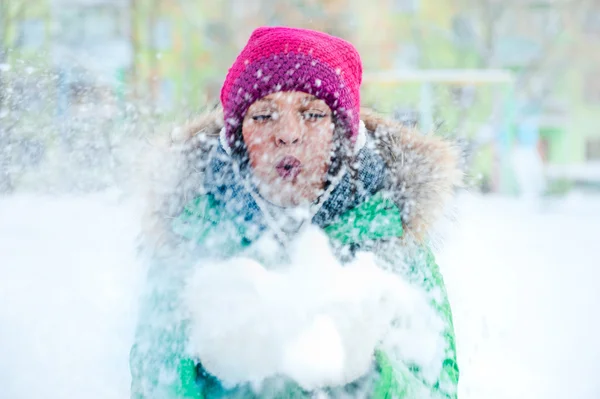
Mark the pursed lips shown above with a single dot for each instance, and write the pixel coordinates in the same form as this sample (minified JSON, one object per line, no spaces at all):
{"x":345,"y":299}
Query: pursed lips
{"x":288,"y":167}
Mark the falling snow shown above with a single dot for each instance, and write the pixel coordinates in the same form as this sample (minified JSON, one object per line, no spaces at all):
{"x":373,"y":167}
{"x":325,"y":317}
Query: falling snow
{"x":522,"y":283}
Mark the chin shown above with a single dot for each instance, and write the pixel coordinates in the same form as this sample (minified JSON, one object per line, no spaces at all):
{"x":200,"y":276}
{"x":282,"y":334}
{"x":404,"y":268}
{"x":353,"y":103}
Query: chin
{"x":286,"y":197}
{"x":284,"y":194}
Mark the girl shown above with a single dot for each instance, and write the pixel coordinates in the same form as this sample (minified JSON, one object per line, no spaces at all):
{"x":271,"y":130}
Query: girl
{"x":290,"y":149}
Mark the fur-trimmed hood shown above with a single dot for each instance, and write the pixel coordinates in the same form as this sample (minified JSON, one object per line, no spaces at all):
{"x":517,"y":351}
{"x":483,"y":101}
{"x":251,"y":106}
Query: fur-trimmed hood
{"x":421,"y":170}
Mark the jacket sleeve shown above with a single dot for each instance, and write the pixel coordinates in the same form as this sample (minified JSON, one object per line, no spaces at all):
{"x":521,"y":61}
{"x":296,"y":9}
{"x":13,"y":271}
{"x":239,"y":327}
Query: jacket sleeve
{"x":416,"y":263}
{"x":160,"y":367}
{"x":157,"y":358}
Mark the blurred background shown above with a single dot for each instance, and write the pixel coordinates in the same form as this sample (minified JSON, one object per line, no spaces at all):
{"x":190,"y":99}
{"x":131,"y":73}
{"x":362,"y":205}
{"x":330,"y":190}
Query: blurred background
{"x":516,"y":81}
{"x":86,"y":84}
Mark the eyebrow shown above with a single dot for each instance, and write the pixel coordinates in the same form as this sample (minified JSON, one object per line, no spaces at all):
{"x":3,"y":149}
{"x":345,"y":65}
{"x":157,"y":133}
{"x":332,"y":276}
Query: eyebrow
{"x":310,"y":98}
{"x":264,"y":100}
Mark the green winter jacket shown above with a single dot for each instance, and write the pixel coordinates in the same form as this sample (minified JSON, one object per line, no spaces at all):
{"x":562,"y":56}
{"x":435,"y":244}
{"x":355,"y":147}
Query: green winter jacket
{"x":160,"y":367}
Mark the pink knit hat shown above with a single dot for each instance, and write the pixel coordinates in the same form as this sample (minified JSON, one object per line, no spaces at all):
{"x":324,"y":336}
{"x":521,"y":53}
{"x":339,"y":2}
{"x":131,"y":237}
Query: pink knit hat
{"x":288,"y":59}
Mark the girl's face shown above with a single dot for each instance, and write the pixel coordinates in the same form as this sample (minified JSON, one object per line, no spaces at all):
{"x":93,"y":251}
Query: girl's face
{"x":289,"y":136}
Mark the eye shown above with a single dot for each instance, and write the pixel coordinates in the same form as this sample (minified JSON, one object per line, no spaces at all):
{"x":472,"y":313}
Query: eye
{"x":313,"y":115}
{"x":262,"y":118}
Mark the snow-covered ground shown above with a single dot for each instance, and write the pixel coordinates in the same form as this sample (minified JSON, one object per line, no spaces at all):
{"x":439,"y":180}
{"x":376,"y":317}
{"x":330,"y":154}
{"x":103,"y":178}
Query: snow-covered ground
{"x":585,"y":172}
{"x":68,"y":281}
{"x":522,"y":279}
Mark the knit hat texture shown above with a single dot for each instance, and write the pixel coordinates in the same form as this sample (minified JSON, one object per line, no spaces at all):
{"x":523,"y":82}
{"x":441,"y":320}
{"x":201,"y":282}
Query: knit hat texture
{"x":289,"y":59}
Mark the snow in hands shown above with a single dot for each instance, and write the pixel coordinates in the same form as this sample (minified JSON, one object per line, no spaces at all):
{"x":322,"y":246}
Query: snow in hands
{"x":312,"y":320}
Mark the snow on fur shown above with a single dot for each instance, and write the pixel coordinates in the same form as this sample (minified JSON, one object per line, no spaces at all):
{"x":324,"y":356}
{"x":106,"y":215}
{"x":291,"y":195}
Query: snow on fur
{"x":423,"y":171}
{"x":313,"y":319}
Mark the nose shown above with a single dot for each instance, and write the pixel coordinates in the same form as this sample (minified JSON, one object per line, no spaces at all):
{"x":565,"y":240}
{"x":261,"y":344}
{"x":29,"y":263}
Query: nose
{"x":289,"y":131}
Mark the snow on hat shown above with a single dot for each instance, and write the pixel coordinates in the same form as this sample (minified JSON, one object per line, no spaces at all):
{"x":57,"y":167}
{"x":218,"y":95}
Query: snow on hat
{"x":289,"y":59}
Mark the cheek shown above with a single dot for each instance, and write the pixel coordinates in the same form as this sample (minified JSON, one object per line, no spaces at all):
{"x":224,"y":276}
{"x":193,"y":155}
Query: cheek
{"x":259,"y":156}
{"x":317,"y":151}
{"x":322,"y":132}
{"x":320,"y":141}
{"x":260,"y":148}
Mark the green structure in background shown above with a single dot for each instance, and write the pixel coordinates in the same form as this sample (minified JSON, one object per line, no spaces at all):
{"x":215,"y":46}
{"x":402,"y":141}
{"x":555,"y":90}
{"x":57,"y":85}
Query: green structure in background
{"x":180,"y":51}
{"x":429,"y":34}
{"x":496,"y":106}
{"x":25,"y":29}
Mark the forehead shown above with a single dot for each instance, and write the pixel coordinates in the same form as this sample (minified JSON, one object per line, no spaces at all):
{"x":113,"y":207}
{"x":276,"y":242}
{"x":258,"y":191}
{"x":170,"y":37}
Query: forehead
{"x":287,"y":97}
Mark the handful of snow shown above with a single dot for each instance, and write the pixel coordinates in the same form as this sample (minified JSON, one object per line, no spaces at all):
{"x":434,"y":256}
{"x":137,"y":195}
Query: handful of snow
{"x":314,"y":320}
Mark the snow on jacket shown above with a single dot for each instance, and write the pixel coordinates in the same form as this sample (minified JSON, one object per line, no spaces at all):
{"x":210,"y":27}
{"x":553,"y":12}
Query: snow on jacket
{"x":201,"y":209}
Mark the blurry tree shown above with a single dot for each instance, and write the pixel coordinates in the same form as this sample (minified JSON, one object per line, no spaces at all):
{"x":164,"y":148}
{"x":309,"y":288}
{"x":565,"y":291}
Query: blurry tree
{"x":225,"y":26}
{"x":242,"y":16}
{"x":144,"y":15}
{"x":10,"y":12}
{"x":531,"y":37}
{"x":134,"y":40}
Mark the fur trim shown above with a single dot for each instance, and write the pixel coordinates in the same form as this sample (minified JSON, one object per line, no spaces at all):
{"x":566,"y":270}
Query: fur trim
{"x":361,"y":139}
{"x":173,"y":169}
{"x":422,"y":171}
